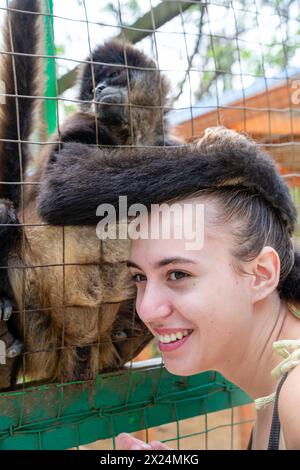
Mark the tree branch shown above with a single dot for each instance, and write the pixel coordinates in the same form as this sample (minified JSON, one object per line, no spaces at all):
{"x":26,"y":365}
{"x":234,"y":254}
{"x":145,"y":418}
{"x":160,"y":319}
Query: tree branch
{"x":191,"y":58}
{"x":143,"y":27}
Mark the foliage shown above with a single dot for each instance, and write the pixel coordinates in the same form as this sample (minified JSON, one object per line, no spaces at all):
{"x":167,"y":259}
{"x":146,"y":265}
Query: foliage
{"x":229,"y":40}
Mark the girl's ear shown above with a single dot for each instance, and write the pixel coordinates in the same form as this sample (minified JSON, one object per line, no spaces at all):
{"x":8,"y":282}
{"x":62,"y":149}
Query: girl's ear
{"x":266,"y":273}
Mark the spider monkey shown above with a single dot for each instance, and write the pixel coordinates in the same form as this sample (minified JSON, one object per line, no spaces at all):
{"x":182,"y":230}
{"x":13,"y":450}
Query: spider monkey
{"x":73,"y":292}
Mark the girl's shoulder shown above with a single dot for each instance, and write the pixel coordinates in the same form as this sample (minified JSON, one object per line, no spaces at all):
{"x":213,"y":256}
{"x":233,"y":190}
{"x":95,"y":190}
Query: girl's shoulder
{"x":289,"y":409}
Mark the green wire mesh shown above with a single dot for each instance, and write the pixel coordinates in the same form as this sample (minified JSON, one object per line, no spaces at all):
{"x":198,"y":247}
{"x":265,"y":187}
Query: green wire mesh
{"x":69,"y":415}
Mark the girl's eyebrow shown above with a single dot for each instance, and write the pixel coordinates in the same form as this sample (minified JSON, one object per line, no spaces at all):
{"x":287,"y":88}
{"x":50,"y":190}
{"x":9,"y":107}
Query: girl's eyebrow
{"x":163,"y":262}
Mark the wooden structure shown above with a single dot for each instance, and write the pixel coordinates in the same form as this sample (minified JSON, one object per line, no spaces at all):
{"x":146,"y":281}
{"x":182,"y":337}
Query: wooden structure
{"x":269,"y":111}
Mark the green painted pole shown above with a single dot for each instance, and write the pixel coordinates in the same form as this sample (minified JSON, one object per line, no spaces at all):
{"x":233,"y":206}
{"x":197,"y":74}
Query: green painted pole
{"x":50,"y":108}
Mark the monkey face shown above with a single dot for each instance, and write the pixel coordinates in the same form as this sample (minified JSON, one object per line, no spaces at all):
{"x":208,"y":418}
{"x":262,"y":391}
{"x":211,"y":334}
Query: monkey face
{"x":109,"y":82}
{"x":110,"y":95}
{"x":110,"y":77}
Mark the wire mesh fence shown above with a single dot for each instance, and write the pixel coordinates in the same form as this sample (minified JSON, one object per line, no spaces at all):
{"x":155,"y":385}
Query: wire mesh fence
{"x":72,"y":299}
{"x":62,"y":416}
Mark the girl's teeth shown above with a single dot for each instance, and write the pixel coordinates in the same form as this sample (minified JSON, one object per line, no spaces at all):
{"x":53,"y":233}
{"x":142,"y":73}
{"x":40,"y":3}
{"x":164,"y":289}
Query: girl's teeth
{"x":173,"y":337}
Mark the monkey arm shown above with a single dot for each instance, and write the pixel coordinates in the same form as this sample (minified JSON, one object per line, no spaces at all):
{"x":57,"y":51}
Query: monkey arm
{"x":80,"y":177}
{"x":81,"y":127}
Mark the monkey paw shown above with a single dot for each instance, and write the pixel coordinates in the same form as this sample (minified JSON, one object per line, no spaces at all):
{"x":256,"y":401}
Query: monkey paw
{"x":6,"y":309}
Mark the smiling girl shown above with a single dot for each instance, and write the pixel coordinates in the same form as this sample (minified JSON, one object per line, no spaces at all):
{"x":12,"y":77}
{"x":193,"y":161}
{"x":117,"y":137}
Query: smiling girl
{"x":227,"y":305}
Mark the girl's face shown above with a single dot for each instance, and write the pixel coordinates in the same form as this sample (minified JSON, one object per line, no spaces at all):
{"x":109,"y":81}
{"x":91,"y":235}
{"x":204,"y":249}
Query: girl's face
{"x":194,"y":302}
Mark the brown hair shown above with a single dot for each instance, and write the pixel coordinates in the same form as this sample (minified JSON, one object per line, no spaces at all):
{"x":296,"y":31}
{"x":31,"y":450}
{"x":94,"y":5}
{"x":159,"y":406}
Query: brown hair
{"x":223,"y":163}
{"x":255,"y":221}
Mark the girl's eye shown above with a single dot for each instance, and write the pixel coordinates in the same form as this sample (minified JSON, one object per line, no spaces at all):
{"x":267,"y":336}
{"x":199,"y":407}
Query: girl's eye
{"x":176,"y":275}
{"x":138,"y":278}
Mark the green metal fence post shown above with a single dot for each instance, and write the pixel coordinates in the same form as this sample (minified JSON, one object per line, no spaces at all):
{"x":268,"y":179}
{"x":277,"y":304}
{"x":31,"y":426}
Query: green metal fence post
{"x":50,"y":108}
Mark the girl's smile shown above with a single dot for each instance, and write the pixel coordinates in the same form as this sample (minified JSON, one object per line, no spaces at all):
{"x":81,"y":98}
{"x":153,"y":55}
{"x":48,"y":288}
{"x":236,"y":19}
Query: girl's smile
{"x":171,"y":339}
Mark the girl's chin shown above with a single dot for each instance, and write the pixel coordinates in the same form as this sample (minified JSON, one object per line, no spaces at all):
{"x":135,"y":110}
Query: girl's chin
{"x":183,"y":370}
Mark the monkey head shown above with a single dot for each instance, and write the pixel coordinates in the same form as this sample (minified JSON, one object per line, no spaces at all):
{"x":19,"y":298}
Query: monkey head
{"x":119,"y":80}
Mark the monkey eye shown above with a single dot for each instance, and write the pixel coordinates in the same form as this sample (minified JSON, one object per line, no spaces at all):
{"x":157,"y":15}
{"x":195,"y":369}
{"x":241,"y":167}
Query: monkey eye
{"x":114,"y":74}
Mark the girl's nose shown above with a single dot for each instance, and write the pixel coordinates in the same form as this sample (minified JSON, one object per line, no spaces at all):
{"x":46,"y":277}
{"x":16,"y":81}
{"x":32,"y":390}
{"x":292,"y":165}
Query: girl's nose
{"x":153,"y":304}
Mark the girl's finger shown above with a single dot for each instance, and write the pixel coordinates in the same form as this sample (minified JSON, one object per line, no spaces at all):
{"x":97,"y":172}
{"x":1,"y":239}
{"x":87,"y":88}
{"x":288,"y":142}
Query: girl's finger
{"x":125,"y":441}
{"x":157,"y":445}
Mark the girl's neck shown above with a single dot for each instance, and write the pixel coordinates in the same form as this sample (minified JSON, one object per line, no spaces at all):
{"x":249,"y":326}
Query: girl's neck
{"x":253,"y":372}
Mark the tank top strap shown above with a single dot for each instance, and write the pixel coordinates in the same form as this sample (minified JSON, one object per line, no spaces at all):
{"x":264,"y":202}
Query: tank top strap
{"x":274,"y":437}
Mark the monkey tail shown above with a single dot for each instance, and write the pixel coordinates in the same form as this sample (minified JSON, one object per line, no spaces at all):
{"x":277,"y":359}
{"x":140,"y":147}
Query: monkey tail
{"x":82,"y":177}
{"x":18,"y":81}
